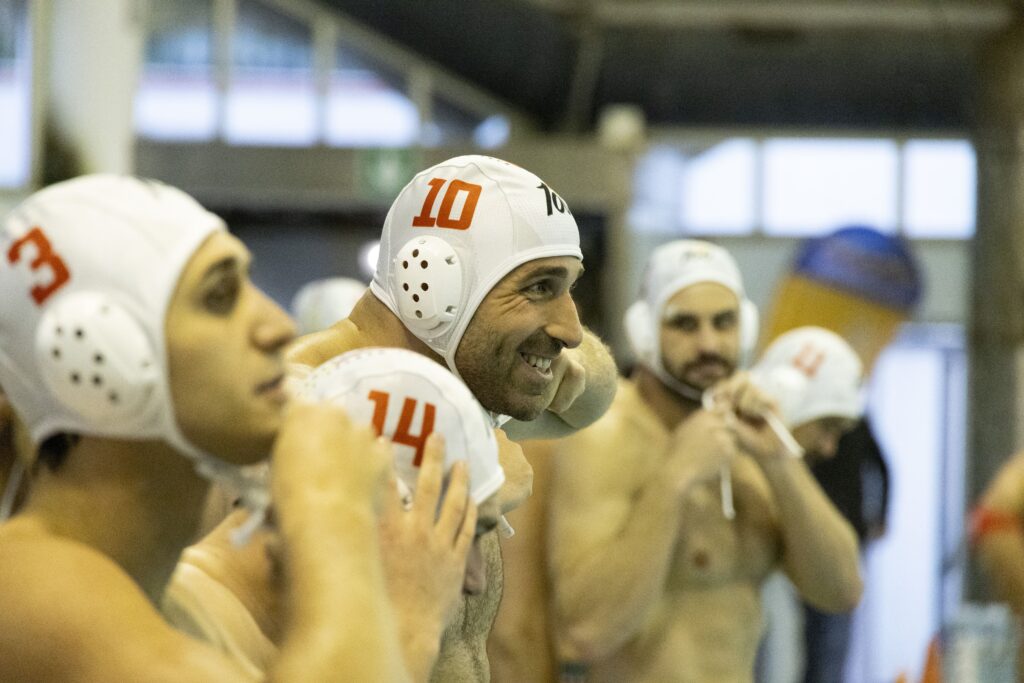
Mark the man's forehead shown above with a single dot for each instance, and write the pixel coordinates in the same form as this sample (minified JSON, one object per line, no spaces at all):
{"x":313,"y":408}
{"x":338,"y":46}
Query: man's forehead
{"x":555,"y":266}
{"x":702,"y":297}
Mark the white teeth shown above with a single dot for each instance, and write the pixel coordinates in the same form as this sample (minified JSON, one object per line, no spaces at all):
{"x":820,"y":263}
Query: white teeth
{"x":537,"y":361}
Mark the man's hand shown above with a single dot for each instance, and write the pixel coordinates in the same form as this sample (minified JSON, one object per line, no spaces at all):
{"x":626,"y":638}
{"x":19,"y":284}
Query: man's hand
{"x":701,"y":446}
{"x":324,"y":463}
{"x":424,"y":553}
{"x":748,"y":406}
{"x":570,"y":377}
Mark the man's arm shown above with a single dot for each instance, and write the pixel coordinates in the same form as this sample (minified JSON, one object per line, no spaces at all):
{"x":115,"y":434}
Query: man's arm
{"x":820,"y":550}
{"x":610,"y":541}
{"x":998,"y":533}
{"x":329,"y":476}
{"x":587,"y":379}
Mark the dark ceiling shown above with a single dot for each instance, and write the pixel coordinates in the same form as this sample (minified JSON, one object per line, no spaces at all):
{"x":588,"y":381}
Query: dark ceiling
{"x":904,"y":64}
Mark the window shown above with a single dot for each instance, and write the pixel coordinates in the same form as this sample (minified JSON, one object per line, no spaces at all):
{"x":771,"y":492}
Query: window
{"x":177,"y":95}
{"x":801,"y":187}
{"x":940,"y":185}
{"x":272,"y":96}
{"x":367,"y":105}
{"x":811,"y":186}
{"x":15,"y":94}
{"x":718,"y":191}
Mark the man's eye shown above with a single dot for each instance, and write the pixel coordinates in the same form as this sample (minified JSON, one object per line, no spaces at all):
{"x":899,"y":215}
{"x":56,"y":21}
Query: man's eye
{"x":538,"y":289}
{"x":222,"y":296}
{"x":684,"y":324}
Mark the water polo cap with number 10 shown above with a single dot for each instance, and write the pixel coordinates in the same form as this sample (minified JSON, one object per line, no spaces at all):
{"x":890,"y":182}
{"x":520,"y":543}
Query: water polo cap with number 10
{"x":454,"y":232}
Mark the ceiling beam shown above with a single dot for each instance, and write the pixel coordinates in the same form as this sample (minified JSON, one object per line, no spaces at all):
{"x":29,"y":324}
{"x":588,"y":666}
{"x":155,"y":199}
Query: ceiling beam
{"x":961,"y":15}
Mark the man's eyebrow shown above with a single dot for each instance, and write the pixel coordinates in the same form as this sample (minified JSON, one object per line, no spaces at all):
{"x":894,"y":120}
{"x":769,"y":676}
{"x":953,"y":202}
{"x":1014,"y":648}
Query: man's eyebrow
{"x":225,"y":266}
{"x":551,"y":271}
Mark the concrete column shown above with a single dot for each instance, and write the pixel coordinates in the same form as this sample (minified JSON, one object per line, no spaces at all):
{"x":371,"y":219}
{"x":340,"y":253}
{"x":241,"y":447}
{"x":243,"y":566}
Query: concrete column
{"x":621,"y":131}
{"x":95,"y":59}
{"x":996,"y":339}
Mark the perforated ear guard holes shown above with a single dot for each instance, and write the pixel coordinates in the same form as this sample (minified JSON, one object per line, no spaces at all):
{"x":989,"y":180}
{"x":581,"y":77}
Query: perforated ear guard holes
{"x":428,"y":278}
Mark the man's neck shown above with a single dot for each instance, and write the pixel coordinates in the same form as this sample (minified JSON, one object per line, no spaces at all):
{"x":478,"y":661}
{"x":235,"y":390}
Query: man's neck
{"x":670,"y":408}
{"x":374,"y":324}
{"x":137,"y":502}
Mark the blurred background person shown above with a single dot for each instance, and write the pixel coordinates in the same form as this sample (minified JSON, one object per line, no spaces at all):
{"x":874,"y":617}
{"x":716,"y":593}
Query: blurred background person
{"x":816,"y":378}
{"x":321,"y":303}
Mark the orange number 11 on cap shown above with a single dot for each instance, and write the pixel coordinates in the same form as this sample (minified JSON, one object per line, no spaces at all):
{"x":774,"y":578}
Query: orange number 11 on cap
{"x":444,"y":215}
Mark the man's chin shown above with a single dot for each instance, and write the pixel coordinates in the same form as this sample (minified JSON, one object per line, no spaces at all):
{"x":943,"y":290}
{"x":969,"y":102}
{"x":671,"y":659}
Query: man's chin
{"x":524,"y":409}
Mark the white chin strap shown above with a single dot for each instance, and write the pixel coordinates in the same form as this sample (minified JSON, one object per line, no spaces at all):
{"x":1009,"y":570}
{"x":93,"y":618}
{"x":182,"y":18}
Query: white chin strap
{"x":683,"y":390}
{"x":248,"y":484}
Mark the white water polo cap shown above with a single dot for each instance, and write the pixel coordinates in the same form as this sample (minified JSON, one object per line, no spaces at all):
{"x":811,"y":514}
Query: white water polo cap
{"x":672,"y":267}
{"x":90,"y":266}
{"x":811,"y":373}
{"x":454,"y":232}
{"x":406,"y":396}
{"x":321,"y":303}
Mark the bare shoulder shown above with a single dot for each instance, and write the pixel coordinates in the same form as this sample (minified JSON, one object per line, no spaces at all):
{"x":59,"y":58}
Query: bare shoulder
{"x":71,"y":614}
{"x":319,"y":347}
{"x":616,"y":452}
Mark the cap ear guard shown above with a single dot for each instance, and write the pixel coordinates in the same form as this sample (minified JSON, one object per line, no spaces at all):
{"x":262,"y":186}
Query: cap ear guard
{"x":95,"y":358}
{"x":640,"y":329}
{"x":428,"y":284}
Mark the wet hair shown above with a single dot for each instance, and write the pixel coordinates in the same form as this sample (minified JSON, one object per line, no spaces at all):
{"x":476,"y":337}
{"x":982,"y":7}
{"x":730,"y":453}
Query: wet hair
{"x":55,"y":450}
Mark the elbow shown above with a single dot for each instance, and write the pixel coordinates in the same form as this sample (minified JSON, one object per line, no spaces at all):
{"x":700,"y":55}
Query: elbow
{"x":582,"y":643}
{"x":843,"y":596}
{"x":850,"y":594}
{"x":582,"y":635}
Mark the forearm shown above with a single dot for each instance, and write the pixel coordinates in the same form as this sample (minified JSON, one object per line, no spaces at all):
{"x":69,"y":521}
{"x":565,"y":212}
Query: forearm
{"x":601,"y":383}
{"x":340,"y":626}
{"x":603,"y":595}
{"x":821,"y":552}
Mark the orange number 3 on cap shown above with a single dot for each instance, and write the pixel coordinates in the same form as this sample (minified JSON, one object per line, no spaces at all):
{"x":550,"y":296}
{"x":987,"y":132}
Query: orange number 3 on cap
{"x":44,"y":257}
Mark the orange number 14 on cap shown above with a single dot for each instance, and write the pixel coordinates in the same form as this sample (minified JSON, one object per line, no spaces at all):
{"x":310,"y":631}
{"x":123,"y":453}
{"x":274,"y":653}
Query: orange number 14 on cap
{"x":402,"y":436}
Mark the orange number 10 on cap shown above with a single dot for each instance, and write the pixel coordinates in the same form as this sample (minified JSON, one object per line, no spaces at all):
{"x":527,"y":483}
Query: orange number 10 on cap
{"x":444,"y":215}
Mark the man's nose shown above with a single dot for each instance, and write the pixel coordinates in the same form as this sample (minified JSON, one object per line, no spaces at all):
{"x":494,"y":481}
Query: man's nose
{"x":564,"y":325}
{"x":708,"y":339}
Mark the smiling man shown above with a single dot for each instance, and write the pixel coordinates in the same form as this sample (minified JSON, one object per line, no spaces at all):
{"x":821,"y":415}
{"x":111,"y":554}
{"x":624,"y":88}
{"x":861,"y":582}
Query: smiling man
{"x":477,"y":263}
{"x":656,"y":565}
